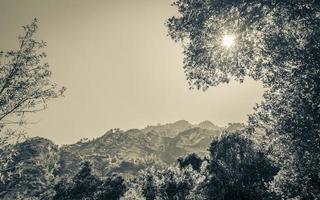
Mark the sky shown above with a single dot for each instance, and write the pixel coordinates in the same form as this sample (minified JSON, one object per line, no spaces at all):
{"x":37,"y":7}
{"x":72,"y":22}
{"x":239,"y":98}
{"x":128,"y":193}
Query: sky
{"x":120,"y":68}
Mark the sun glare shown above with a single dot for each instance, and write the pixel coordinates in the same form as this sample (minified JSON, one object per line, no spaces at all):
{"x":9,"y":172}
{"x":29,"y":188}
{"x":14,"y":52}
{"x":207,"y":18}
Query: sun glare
{"x":228,"y":41}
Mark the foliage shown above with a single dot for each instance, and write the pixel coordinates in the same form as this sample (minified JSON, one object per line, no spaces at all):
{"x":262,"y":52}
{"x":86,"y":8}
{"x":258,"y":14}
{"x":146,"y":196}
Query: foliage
{"x":85,"y":185}
{"x":25,"y":80}
{"x":25,"y":87}
{"x":291,"y":119}
{"x":192,"y":159}
{"x":10,"y":136}
{"x":237,"y":170}
{"x":28,"y":169}
{"x":277,"y":42}
{"x":271,"y":38}
{"x":171,"y":183}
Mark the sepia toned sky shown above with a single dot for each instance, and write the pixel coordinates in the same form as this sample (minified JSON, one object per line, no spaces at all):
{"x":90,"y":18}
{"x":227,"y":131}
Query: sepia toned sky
{"x":120,"y":68}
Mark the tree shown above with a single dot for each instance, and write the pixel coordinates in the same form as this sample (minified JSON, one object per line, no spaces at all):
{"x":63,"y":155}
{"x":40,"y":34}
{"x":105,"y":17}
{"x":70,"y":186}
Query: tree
{"x":276,"y":42}
{"x":149,"y":189}
{"x":171,"y":183}
{"x":25,"y":80}
{"x":25,"y":87}
{"x":269,"y":39}
{"x":237,"y":170}
{"x":85,"y":185}
{"x":291,"y":119}
{"x":112,"y":188}
{"x":24,"y":172}
{"x":192,"y":159}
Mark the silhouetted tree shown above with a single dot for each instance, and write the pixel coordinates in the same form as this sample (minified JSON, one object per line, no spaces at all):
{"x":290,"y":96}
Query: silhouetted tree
{"x":85,"y":185}
{"x":237,"y":170}
{"x":25,"y":80}
{"x":192,"y":159}
{"x":149,"y":189}
{"x":291,"y":120}
{"x":25,"y":87}
{"x":171,"y":183}
{"x":112,"y":188}
{"x":269,"y":39}
{"x":24,"y":172}
{"x":276,"y":42}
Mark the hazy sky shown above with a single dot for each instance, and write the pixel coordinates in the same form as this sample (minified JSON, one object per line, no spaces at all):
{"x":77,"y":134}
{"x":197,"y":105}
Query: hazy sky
{"x":120,"y":68}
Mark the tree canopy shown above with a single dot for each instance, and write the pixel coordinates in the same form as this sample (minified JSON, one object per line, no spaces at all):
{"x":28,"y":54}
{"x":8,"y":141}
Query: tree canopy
{"x":86,"y":185}
{"x":272,"y":39}
{"x":277,"y":43}
{"x":25,"y":78}
{"x":238,"y":170}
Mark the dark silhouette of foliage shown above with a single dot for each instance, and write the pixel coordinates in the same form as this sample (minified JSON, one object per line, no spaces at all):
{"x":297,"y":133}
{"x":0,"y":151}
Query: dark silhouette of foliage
{"x":237,"y":170}
{"x":291,"y":119}
{"x":276,"y":42}
{"x":171,"y":183}
{"x":272,"y":38}
{"x":192,"y":159}
{"x":25,"y":84}
{"x":112,"y":188}
{"x":24,"y":173}
{"x":149,"y":190}
{"x":85,"y":185}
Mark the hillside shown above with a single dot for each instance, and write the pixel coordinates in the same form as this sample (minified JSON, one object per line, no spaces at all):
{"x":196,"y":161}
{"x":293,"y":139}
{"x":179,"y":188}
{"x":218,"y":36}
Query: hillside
{"x":129,"y":151}
{"x":34,"y":163}
{"x":121,"y":151}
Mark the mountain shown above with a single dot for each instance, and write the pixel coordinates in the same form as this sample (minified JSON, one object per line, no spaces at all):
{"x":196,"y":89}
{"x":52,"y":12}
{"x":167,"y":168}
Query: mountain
{"x":169,"y":130}
{"x":134,"y":149}
{"x":108,"y":151}
{"x":33,"y":165}
{"x":137,"y":147}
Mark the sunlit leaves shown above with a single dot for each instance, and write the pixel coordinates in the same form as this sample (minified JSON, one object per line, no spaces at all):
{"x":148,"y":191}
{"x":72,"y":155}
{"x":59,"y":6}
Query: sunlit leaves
{"x":267,"y":33}
{"x":278,"y":43}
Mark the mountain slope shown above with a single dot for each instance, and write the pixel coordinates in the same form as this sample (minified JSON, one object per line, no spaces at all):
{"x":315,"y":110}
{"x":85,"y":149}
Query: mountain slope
{"x":34,"y":164}
{"x":126,"y":152}
{"x":162,"y":144}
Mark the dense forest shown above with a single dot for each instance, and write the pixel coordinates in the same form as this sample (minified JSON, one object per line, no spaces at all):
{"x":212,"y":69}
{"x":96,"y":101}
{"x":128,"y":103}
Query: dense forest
{"x":275,"y":155}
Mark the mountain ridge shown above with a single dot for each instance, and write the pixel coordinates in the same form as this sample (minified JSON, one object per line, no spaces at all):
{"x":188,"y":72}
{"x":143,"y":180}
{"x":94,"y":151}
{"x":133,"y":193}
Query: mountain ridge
{"x":121,"y":151}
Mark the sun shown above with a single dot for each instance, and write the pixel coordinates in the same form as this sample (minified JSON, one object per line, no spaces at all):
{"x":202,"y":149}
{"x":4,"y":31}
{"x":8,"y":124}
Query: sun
{"x":228,"y":41}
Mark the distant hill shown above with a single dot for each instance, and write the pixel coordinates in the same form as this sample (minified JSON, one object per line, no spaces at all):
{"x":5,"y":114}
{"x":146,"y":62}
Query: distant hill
{"x":126,"y":152}
{"x":169,"y":130}
{"x":165,"y":142}
{"x":129,"y":151}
